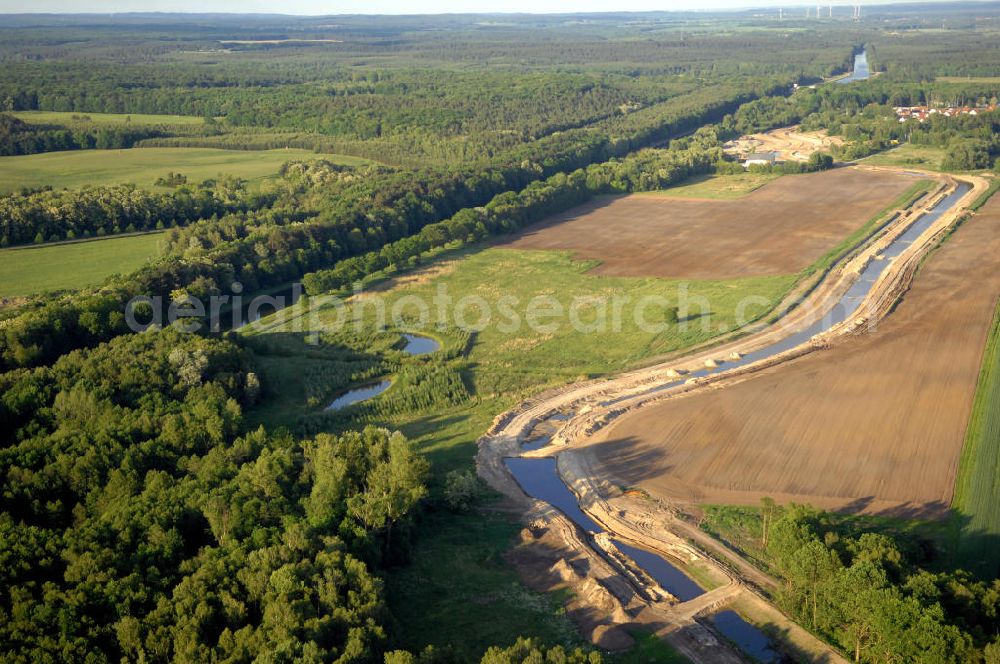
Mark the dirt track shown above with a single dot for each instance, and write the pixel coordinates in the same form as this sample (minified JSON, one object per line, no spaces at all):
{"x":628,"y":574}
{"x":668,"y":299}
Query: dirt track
{"x":876,"y":423}
{"x":780,"y":228}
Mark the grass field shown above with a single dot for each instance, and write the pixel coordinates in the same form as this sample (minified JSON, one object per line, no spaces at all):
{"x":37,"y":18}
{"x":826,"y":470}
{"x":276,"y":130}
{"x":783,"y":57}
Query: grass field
{"x":142,"y":166}
{"x":719,"y":187}
{"x":977,"y":491}
{"x":917,"y":156}
{"x":987,"y":80}
{"x":75,"y":118}
{"x":561,"y":352}
{"x":30,"y":270}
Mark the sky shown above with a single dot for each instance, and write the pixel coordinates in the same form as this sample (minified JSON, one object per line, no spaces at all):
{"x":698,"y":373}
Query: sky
{"x":322,"y":7}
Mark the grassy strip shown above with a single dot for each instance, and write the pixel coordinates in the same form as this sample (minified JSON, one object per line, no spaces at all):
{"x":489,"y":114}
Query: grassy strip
{"x":981,"y":201}
{"x":715,"y":187}
{"x":977,"y":492}
{"x":76,"y":119}
{"x":909,"y":155}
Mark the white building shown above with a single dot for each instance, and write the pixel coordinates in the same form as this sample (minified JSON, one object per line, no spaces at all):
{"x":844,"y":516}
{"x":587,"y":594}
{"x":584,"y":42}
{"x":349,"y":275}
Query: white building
{"x":760,"y":159}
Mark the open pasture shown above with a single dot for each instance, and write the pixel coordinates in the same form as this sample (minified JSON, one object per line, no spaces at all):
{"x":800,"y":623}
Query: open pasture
{"x":925,"y":157}
{"x":876,"y":424}
{"x":780,"y":228}
{"x":76,"y":119}
{"x":30,"y":270}
{"x":142,"y":166}
{"x":716,"y":186}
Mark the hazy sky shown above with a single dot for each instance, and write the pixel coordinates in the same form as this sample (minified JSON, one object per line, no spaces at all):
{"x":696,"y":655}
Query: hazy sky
{"x":377,"y":6}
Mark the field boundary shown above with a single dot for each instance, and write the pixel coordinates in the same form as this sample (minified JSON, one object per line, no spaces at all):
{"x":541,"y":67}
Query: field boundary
{"x":977,"y":493}
{"x":82,"y":240}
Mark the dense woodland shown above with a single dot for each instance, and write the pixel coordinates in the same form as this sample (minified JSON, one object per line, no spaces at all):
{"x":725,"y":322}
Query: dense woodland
{"x":142,"y":519}
{"x":18,"y":137}
{"x":872,"y":594}
{"x":49,"y":215}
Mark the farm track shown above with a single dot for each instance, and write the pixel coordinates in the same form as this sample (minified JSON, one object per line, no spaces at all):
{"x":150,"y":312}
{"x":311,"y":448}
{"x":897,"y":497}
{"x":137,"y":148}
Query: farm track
{"x":660,"y":526}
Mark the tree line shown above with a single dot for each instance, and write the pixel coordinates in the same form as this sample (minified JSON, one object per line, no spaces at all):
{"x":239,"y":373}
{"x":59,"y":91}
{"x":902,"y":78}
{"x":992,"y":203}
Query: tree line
{"x":874,"y":596}
{"x":20,"y":138}
{"x":51,"y":215}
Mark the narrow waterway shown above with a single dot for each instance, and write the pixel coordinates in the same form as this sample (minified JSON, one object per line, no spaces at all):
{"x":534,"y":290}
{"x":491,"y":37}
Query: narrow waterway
{"x":540,"y":479}
{"x":860,"y":73}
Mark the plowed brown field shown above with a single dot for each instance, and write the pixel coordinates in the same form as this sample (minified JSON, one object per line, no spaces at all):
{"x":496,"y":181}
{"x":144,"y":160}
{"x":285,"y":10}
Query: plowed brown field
{"x":874,"y":424}
{"x":781,"y":228}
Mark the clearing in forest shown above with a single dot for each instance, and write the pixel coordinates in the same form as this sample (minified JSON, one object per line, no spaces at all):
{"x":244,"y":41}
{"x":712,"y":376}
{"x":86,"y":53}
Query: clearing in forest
{"x":30,"y":270}
{"x":142,"y":166}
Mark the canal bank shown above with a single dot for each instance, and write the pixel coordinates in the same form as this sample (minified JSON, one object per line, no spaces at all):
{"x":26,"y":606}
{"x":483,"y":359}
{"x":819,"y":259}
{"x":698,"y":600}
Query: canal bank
{"x":593,"y":404}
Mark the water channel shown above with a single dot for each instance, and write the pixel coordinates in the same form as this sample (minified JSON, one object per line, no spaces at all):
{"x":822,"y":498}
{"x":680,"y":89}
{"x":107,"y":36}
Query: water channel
{"x":860,"y":73}
{"x":539,"y":477}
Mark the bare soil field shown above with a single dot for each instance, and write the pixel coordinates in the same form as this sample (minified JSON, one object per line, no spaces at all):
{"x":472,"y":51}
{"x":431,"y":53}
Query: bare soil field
{"x":790,"y":143}
{"x":875,"y":423}
{"x":781,"y":228}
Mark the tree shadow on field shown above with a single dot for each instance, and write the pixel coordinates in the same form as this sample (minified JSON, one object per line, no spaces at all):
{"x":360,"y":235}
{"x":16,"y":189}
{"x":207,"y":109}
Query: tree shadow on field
{"x":630,"y":460}
{"x":932,"y":511}
{"x":935,"y":534}
{"x":563,"y":217}
{"x":976,"y":551}
{"x":857,"y":506}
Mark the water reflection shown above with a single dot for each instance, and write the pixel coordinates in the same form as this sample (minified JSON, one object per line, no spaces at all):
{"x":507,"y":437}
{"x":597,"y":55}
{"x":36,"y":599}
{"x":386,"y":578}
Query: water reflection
{"x":417,"y":344}
{"x":860,"y":72}
{"x":359,"y":394}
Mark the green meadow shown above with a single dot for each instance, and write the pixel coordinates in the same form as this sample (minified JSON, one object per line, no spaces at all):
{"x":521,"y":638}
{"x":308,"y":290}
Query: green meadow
{"x":29,"y":270}
{"x":918,"y":156}
{"x":720,"y":187}
{"x":977,"y":494}
{"x":142,"y":166}
{"x":77,"y":119}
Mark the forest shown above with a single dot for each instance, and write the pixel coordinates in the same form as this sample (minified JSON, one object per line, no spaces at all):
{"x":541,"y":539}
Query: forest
{"x":144,"y":518}
{"x":873,"y":594}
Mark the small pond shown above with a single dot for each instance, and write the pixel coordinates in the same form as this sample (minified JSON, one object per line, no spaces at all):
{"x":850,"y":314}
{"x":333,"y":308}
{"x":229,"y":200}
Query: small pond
{"x":359,"y":394}
{"x":417,"y":344}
